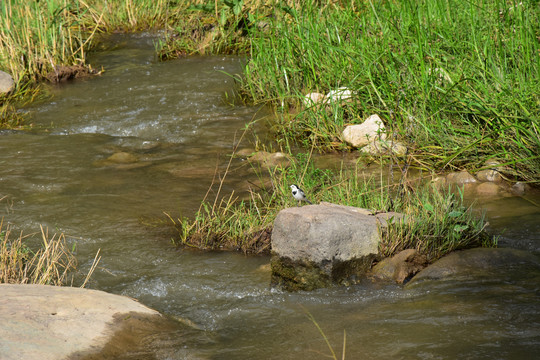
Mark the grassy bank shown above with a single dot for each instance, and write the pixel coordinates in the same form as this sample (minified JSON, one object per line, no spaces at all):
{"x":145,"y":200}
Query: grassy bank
{"x":457,"y":81}
{"x":442,"y":223}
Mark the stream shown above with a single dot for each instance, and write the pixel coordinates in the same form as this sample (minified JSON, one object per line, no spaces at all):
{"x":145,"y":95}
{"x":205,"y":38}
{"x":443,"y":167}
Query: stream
{"x":176,"y":122}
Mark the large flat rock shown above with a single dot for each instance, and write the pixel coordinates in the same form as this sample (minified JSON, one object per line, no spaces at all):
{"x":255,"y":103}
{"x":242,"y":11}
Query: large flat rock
{"x":50,"y":322}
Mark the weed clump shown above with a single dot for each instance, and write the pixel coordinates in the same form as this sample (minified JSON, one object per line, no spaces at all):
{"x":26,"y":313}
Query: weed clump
{"x":438,"y":222}
{"x":51,"y":264}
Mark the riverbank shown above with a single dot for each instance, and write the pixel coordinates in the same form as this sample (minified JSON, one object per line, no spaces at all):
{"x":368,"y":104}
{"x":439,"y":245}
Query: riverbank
{"x":457,"y":87}
{"x":448,"y":103}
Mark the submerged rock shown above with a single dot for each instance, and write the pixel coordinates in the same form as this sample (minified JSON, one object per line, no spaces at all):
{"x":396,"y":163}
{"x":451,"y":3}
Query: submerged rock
{"x":50,"y":323}
{"x":475,"y":263}
{"x":385,"y":147}
{"x":319,"y":245}
{"x":460,"y":178}
{"x":488,"y":189}
{"x":122,"y":157}
{"x":269,"y":160}
{"x":519,"y":188}
{"x":365,"y":133}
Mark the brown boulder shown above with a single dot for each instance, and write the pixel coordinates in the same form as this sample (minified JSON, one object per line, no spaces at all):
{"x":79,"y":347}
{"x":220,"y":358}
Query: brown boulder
{"x":400,"y":267}
{"x":460,"y":178}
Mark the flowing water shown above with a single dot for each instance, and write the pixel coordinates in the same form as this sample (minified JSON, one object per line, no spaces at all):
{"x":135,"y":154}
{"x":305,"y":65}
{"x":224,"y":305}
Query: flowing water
{"x":174,"y":123}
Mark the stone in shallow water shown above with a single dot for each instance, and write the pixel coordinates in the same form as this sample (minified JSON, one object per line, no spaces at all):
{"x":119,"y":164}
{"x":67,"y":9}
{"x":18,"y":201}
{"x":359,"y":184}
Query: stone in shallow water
{"x":400,"y":267}
{"x":51,"y":322}
{"x":270,"y":160}
{"x":319,"y":245}
{"x":488,"y":189}
{"x":122,"y":157}
{"x":476,"y":263}
{"x":460,"y":178}
{"x":363,"y":134}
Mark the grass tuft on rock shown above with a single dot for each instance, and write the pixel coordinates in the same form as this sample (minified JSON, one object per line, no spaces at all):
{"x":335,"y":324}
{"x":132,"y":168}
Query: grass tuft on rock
{"x":438,"y":222}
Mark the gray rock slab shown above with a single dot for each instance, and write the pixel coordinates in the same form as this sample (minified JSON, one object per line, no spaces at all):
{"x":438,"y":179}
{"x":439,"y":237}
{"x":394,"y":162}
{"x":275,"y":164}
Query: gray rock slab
{"x":476,"y":263}
{"x":52,"y":323}
{"x":325,"y":232}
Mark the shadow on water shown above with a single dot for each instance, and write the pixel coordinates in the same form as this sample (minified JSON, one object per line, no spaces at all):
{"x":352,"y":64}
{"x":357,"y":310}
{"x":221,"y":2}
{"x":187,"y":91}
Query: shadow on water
{"x":171,"y":124}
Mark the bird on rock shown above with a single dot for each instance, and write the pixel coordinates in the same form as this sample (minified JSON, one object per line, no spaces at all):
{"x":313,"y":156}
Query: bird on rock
{"x":299,"y":194}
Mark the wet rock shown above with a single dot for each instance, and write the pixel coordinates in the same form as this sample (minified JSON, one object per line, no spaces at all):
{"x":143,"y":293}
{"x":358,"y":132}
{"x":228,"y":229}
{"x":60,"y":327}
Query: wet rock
{"x":6,"y":82}
{"x":50,"y":322}
{"x":314,"y":98}
{"x":488,"y":189}
{"x":460,"y":178}
{"x":122,"y":158}
{"x":363,"y":134}
{"x":270,"y":160}
{"x":246,"y":152}
{"x":489,"y":175}
{"x":519,"y":188}
{"x":492,"y":174}
{"x":385,"y":147}
{"x":439,"y":182}
{"x":319,"y":245}
{"x":400,"y":267}
{"x":475,"y":263}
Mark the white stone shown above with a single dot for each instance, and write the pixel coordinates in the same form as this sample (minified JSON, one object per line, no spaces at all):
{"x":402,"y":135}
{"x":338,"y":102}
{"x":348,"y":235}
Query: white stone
{"x":363,"y":134}
{"x":339,"y":94}
{"x":313,"y":98}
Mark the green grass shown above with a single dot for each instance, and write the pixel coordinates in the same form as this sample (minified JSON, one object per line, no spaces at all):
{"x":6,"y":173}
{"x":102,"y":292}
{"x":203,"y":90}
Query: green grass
{"x":439,"y":222}
{"x":458,"y":81}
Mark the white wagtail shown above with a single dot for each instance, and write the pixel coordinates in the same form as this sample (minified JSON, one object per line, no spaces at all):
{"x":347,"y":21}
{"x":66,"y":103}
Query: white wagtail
{"x":299,"y":194}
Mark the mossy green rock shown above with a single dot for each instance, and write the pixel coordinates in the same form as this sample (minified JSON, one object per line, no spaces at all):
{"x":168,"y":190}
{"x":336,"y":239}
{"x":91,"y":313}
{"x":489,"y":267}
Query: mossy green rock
{"x":296,"y":275}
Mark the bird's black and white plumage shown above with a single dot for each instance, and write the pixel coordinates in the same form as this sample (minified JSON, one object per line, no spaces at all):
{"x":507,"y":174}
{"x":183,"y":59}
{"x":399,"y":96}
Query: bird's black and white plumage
{"x":299,"y":194}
